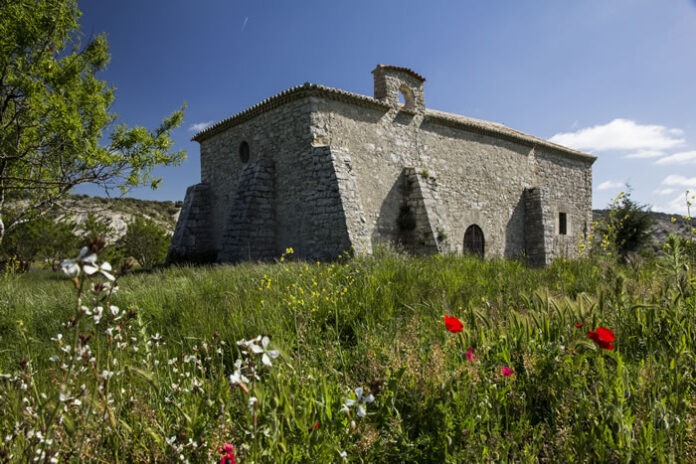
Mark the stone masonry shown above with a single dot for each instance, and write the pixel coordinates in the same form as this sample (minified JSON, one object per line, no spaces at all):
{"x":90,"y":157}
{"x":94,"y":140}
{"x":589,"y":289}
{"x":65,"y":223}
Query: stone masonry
{"x":326,"y":171}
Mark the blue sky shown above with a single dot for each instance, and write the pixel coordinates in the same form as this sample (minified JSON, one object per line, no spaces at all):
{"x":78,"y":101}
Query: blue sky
{"x":614,"y":78}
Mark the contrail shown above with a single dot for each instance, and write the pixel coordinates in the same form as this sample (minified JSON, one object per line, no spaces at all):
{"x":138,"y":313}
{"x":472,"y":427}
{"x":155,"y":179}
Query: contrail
{"x":244,"y":24}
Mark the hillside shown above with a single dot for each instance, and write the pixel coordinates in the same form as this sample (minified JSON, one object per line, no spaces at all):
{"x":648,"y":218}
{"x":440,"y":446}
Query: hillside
{"x":118,"y":212}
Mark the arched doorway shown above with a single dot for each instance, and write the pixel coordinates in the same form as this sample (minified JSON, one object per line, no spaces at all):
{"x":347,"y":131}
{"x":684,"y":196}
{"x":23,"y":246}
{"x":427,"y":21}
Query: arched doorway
{"x":474,"y":243}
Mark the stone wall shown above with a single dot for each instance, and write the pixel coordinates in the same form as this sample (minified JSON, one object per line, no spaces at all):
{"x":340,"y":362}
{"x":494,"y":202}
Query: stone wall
{"x":481,"y":178}
{"x":280,"y":135}
{"x":250,"y":228}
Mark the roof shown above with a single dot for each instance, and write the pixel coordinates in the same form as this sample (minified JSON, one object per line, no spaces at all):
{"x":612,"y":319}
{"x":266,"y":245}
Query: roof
{"x":439,"y":117}
{"x":399,"y":68}
{"x":497,"y":129}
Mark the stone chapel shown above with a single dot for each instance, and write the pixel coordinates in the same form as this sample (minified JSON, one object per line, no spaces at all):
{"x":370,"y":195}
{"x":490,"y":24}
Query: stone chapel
{"x":326,"y":171}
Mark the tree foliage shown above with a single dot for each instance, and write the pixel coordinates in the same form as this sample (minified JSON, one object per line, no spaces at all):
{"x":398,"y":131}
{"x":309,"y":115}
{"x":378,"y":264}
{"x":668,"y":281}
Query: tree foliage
{"x":54,"y":112}
{"x":44,"y":238}
{"x":627,"y":228}
{"x":146,"y":242}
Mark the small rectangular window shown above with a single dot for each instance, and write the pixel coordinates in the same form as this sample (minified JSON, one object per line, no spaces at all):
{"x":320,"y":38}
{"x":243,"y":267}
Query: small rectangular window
{"x":562,"y":224}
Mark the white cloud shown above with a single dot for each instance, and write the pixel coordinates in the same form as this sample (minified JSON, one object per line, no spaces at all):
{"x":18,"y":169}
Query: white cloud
{"x":686,"y":157}
{"x":646,"y":154}
{"x":199,"y":126}
{"x":676,"y":180}
{"x":680,"y":184}
{"x":621,"y":134}
{"x":609,"y":185}
{"x":677,"y":205}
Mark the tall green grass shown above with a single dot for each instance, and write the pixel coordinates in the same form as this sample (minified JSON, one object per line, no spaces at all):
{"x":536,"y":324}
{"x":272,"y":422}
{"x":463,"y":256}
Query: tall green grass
{"x":376,"y":323}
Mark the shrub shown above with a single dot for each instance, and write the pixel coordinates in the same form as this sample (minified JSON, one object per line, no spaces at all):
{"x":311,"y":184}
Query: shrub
{"x":145,"y":241}
{"x":42,"y":238}
{"x":627,"y":228}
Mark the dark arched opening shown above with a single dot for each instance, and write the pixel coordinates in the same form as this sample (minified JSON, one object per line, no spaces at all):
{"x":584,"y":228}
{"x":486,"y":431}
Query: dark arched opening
{"x":244,"y":151}
{"x":474,"y":243}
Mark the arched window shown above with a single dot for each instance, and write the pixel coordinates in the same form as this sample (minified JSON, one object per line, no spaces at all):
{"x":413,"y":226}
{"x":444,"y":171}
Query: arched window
{"x":474,"y":242}
{"x":244,"y":152}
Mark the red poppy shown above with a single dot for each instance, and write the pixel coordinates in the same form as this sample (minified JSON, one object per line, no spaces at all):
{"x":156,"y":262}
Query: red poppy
{"x":578,"y":325}
{"x":453,"y":324}
{"x":228,"y":457}
{"x":602,"y":337}
{"x":506,"y":371}
{"x":314,"y":427}
{"x":470,"y":354}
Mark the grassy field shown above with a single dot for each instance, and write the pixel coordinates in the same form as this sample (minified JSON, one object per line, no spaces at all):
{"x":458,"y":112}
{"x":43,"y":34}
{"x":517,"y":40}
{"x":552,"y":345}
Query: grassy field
{"x":152,"y":376}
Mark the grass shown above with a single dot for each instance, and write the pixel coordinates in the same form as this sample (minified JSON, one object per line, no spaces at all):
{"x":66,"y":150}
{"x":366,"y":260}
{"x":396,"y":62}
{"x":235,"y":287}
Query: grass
{"x":375,"y":323}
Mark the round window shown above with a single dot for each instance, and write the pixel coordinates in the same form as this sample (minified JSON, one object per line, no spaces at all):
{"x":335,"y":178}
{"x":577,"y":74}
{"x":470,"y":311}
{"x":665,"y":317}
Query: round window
{"x":244,"y":152}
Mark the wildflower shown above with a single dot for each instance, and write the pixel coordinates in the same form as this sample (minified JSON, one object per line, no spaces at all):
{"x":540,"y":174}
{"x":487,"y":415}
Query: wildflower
{"x":360,"y":401}
{"x":250,"y":342}
{"x":114,"y":310}
{"x":71,"y":266}
{"x":228,"y":457}
{"x":263,"y":349}
{"x":237,"y":378}
{"x":470,"y":354}
{"x":506,"y":371}
{"x":453,"y":324}
{"x":577,"y":325}
{"x":314,"y":427}
{"x":97,"y":314}
{"x":91,"y":267}
{"x":602,"y":337}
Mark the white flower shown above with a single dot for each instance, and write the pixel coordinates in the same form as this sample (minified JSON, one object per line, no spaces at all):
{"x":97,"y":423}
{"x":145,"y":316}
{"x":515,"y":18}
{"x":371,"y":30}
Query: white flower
{"x":97,"y":314}
{"x":248,"y":343}
{"x":360,"y":401}
{"x":252,"y":401}
{"x":71,"y":266}
{"x":237,"y":378}
{"x":344,"y":455}
{"x":264,"y":351}
{"x":90,"y":267}
{"x":113,"y":309}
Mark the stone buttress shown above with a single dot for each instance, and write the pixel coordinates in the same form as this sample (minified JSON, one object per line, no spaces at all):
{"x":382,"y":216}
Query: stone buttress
{"x":191,"y":240}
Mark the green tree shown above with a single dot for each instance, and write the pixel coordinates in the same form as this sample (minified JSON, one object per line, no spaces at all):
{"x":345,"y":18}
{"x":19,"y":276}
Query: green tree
{"x":94,"y":227}
{"x":54,"y":111}
{"x":145,"y":241}
{"x":42,"y":238}
{"x":627,"y":227}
